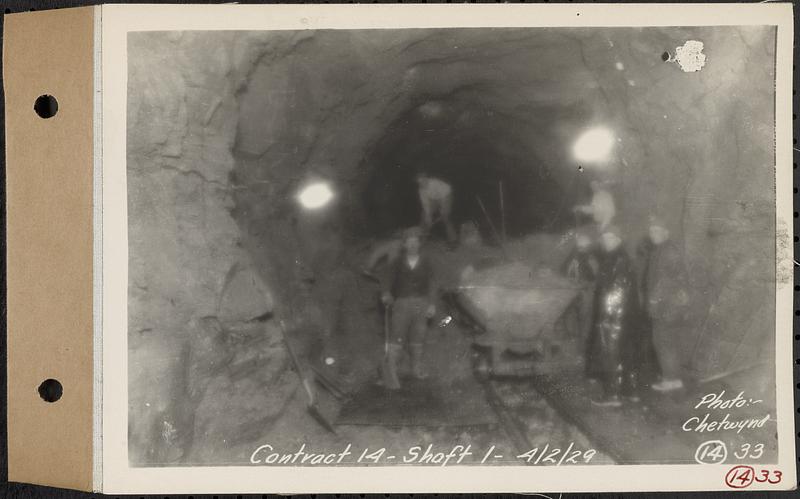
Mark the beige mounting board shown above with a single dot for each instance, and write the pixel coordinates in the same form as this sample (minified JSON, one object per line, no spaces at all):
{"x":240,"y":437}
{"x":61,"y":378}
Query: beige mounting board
{"x":49,"y":256}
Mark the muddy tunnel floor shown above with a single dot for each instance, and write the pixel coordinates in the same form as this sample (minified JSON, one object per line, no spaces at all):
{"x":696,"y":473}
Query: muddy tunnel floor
{"x":452,"y":407}
{"x":531,"y":419}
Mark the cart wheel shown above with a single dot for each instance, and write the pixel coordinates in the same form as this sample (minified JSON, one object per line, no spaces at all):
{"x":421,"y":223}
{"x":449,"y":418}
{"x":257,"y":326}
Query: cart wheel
{"x":481,"y":365}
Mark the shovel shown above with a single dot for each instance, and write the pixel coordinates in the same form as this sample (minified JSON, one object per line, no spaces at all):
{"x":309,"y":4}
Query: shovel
{"x":388,"y":367}
{"x":331,"y":385}
{"x":311,"y":407}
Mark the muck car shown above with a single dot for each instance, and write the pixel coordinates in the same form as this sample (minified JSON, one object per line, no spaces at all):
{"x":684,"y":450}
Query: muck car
{"x":526,"y":320}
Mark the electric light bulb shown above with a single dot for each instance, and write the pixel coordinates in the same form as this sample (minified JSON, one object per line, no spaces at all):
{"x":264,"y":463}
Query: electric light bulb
{"x":315,"y":195}
{"x":594,"y":145}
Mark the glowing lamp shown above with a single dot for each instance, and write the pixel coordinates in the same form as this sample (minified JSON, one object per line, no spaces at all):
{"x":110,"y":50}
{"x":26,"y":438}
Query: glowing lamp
{"x":594,"y":146}
{"x":315,"y":195}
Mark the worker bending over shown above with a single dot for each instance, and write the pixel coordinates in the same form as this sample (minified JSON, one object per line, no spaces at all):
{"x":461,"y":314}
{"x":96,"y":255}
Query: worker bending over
{"x":410,"y":291}
{"x":436,"y":197}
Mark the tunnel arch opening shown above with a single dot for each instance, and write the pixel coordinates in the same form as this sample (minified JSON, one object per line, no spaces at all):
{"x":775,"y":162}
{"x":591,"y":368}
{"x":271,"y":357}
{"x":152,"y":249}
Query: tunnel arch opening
{"x":501,"y":183}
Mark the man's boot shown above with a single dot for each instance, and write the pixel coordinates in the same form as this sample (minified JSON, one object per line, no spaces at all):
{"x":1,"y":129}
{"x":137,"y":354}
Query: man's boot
{"x":417,"y":366}
{"x":630,"y":386}
{"x":612,"y":386}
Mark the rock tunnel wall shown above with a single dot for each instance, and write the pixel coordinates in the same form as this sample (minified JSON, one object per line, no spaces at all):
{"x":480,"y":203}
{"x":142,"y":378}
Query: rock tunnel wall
{"x":224,"y":126}
{"x":189,"y":274}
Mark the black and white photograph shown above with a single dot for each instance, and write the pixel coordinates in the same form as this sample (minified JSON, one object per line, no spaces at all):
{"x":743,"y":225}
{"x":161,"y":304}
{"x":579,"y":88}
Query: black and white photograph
{"x":476,"y":246}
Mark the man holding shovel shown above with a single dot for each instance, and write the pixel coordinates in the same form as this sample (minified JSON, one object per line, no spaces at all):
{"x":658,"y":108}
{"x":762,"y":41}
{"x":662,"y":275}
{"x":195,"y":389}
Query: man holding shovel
{"x":410,"y":293}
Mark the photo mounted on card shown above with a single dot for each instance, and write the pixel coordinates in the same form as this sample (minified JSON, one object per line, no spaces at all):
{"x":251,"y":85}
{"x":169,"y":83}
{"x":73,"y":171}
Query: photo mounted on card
{"x":511,"y":248}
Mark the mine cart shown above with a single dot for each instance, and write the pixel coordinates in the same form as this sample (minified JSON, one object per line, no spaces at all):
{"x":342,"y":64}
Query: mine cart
{"x":526,"y":320}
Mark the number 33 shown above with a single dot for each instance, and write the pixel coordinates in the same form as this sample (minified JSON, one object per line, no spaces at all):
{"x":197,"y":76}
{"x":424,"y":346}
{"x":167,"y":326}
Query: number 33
{"x":744,"y":451}
{"x":765,"y":476}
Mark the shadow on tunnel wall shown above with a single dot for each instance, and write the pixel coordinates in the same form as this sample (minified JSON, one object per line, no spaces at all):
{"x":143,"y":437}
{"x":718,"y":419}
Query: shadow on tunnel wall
{"x":224,"y":128}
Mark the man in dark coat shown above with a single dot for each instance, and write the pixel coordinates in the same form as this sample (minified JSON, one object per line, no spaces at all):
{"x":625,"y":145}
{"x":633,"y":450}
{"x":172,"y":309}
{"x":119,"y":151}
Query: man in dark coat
{"x":614,"y":339}
{"x":581,"y":268}
{"x":664,"y":289}
{"x":411,"y":292}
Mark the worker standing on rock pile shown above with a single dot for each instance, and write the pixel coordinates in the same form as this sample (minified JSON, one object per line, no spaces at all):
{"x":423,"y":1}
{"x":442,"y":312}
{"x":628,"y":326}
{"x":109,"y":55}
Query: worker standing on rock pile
{"x":602,"y":208}
{"x":410,"y":291}
{"x":436,"y":197}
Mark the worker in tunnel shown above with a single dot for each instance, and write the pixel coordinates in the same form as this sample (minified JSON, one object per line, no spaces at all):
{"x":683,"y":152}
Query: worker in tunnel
{"x":436,"y":198}
{"x":580,"y":267}
{"x":614,"y":339}
{"x":665,"y":297}
{"x":601,"y":208}
{"x":410,"y":293}
{"x":383,"y":252}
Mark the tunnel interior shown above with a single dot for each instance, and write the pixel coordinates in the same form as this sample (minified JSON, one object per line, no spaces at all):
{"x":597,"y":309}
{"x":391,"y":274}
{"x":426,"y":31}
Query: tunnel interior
{"x":225,"y":128}
{"x":498,"y":114}
{"x":476,"y":151}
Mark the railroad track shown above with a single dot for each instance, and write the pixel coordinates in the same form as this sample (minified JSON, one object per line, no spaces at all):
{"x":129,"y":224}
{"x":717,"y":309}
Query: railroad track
{"x":514,"y":428}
